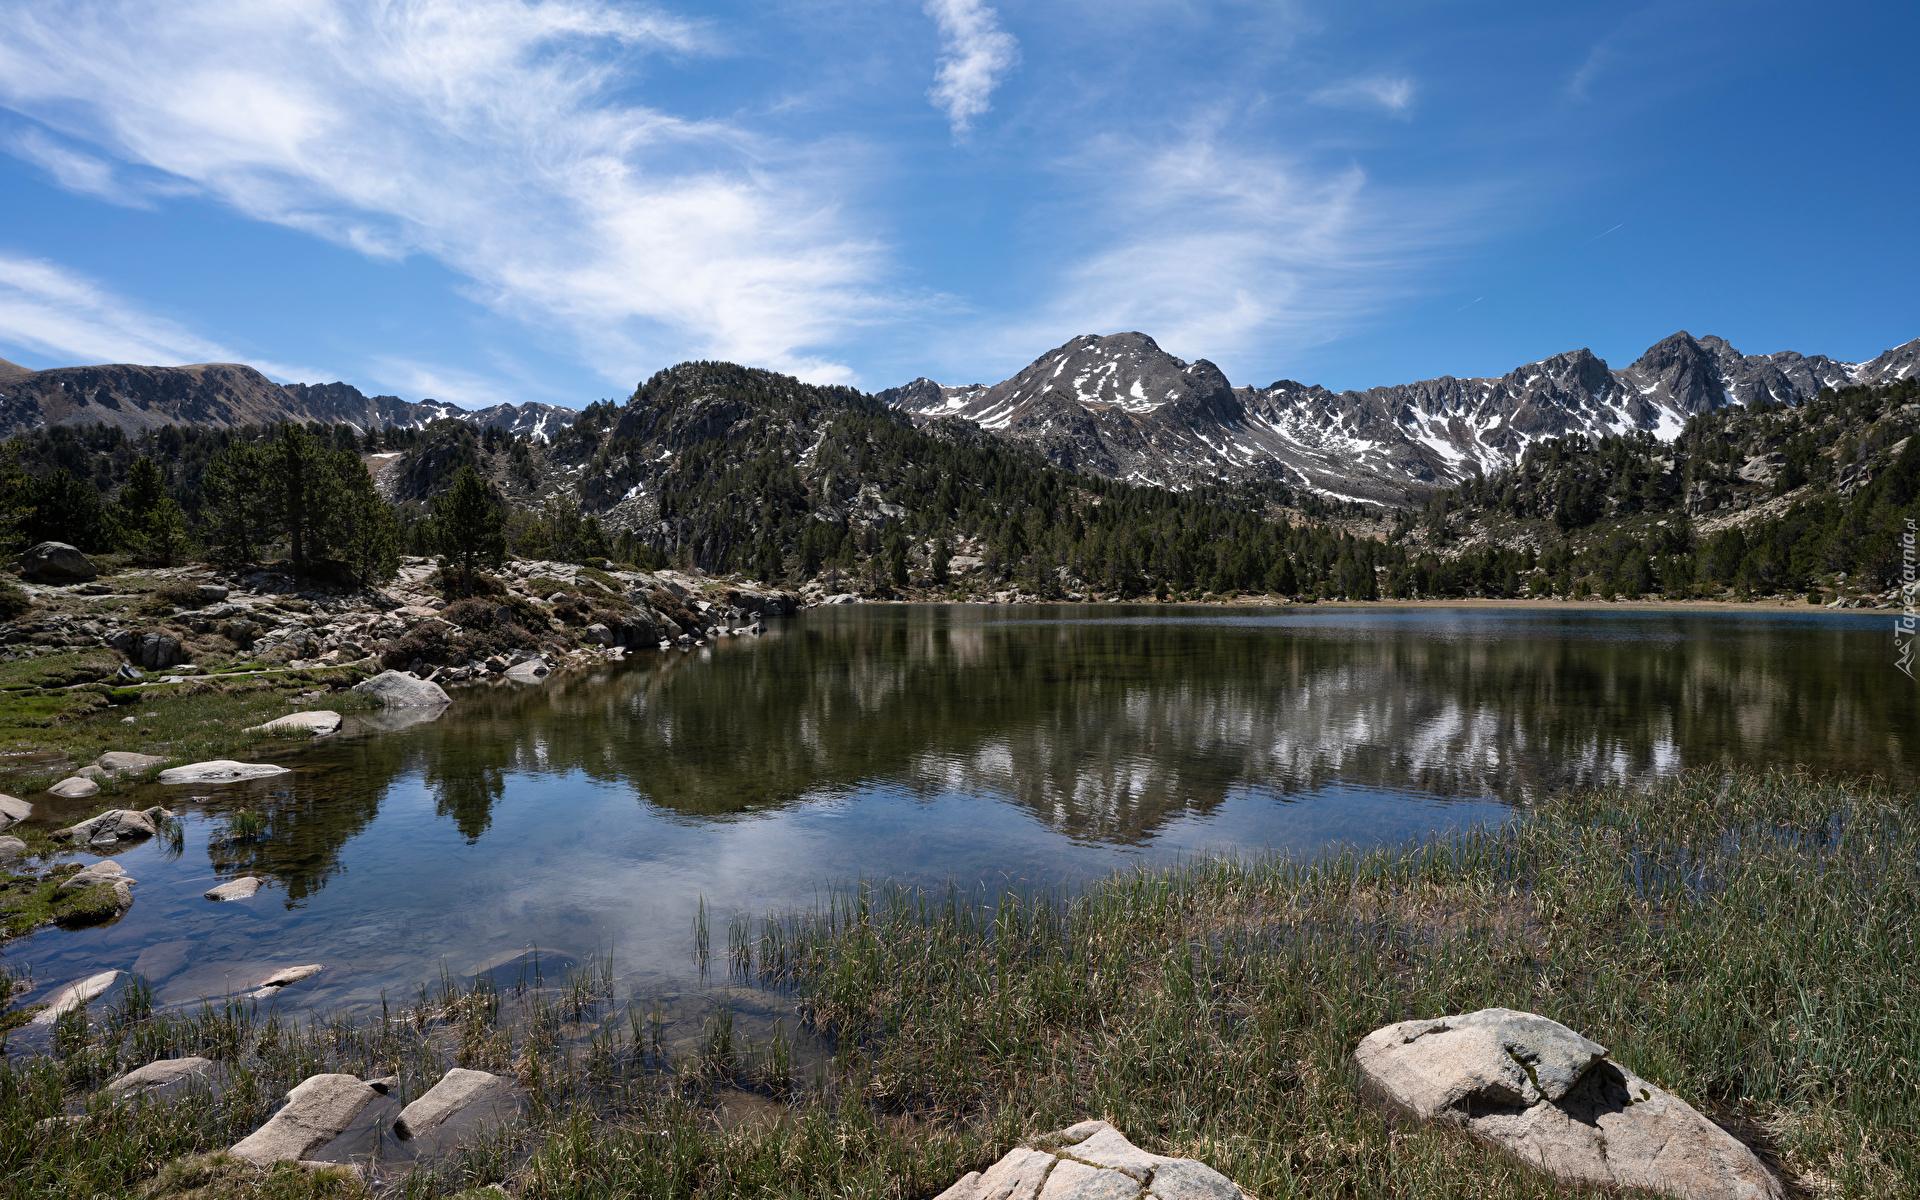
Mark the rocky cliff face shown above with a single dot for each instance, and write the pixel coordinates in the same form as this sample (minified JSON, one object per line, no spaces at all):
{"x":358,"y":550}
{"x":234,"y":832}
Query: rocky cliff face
{"x":1122,"y":407}
{"x":224,"y":395}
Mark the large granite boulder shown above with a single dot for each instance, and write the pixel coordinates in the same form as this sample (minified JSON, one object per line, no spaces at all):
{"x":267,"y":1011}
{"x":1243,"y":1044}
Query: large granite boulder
{"x":127,"y":760}
{"x":1540,"y":1091}
{"x":457,"y":1089}
{"x":57,"y":562}
{"x":1092,"y":1161}
{"x":400,"y":690}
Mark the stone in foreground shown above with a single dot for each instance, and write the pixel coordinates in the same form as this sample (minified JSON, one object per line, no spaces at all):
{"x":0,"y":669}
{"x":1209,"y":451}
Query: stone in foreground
{"x":457,"y":1089}
{"x":316,"y":1112}
{"x":220,"y":770}
{"x":242,"y":888}
{"x":1092,"y":1161}
{"x":1540,"y":1091}
{"x":74,"y":787}
{"x":57,"y":562}
{"x":401,"y":690}
{"x":318,"y":721}
{"x":75,"y":995}
{"x":156,"y":1075}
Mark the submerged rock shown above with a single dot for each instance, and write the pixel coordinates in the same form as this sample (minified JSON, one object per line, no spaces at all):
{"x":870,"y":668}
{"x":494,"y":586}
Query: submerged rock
{"x":1542,"y":1092}
{"x":458,"y":1088}
{"x":156,"y":1075}
{"x":1092,"y":1161}
{"x":242,"y":888}
{"x":106,"y":871}
{"x":318,"y":1110}
{"x":77,"y":994}
{"x":219,"y":770}
{"x":401,"y":690}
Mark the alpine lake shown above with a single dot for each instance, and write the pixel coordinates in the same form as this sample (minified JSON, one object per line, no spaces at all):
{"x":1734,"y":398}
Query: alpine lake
{"x":610,"y":816}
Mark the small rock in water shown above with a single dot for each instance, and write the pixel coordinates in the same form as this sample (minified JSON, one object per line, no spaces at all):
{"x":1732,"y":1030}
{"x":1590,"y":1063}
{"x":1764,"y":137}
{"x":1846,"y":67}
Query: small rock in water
{"x":457,"y":1089}
{"x":74,"y":788}
{"x":1540,"y":1091}
{"x":156,"y":1075}
{"x":75,"y":995}
{"x":94,"y":773}
{"x":220,"y":770}
{"x":106,"y":871}
{"x":318,"y":721}
{"x":242,"y":888}
{"x":114,"y":825}
{"x":399,"y":689}
{"x":271,"y":985}
{"x":316,"y":1112}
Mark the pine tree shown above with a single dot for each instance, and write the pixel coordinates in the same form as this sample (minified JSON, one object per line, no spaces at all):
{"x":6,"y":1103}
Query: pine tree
{"x":148,"y":521}
{"x":368,"y":529}
{"x":897,"y":556}
{"x":238,"y":515}
{"x":470,"y":527}
{"x":305,"y":493}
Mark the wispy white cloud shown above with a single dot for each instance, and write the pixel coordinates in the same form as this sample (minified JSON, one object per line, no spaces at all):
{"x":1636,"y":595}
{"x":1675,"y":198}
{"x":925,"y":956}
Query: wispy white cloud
{"x":978,"y":55}
{"x":74,"y":170}
{"x":1220,"y":248}
{"x":429,"y":381}
{"x":51,"y":310}
{"x":1393,"y":93}
{"x":489,"y":134}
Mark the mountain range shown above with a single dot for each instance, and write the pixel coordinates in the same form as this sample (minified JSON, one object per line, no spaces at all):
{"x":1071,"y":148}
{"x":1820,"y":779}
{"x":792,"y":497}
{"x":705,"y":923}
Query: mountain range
{"x":1121,"y":407}
{"x":227,"y":395}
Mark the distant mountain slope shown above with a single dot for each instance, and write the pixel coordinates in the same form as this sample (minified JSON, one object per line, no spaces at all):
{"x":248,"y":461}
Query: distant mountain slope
{"x":227,"y":395}
{"x":1122,"y":407}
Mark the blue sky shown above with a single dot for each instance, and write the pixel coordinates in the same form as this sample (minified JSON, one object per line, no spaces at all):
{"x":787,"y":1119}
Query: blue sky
{"x":488,"y":200}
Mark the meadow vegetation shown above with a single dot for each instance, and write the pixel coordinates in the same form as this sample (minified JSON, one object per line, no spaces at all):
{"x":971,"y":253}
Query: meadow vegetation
{"x":1745,"y":940}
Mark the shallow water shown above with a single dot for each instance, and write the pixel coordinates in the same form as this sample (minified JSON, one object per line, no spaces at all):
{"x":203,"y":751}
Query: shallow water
{"x":984,"y":746}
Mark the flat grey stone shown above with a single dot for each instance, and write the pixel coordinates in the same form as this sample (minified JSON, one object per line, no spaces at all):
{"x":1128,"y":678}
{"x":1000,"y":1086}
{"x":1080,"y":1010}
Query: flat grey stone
{"x":1543,"y":1093}
{"x":529,"y":670}
{"x":242,"y":888}
{"x":220,"y":770}
{"x":75,"y":995}
{"x":316,"y":1112}
{"x":401,"y":690}
{"x":318,"y":721}
{"x":114,"y":825}
{"x":94,"y":773}
{"x":74,"y":787}
{"x":285,"y":976}
{"x":11,"y":848}
{"x":1110,"y":1148}
{"x":457,"y":1089}
{"x":156,"y":1075}
{"x":126,"y":760}
{"x":1185,"y":1179}
{"x":1017,"y":1176}
{"x":1092,"y":1161}
{"x":13,"y":810}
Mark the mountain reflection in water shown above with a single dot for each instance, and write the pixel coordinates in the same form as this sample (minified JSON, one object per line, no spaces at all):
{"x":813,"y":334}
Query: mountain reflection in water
{"x":973,"y":743}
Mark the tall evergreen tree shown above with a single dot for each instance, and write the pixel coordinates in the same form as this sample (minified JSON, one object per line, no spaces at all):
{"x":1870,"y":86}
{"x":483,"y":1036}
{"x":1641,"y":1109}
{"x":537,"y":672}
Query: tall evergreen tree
{"x":470,"y":527}
{"x":238,"y":512}
{"x":148,"y":520}
{"x":306,"y":494}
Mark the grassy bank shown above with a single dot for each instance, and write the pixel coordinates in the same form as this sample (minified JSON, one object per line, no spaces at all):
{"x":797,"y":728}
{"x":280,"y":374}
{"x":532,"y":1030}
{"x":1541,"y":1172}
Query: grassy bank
{"x":51,"y":704}
{"x":1747,"y":942}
